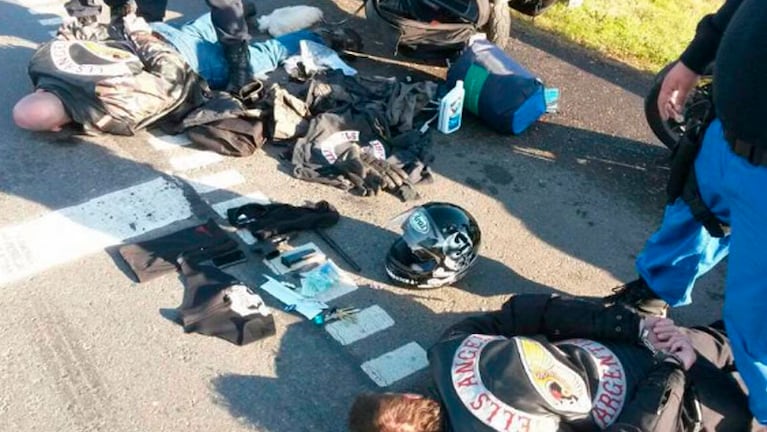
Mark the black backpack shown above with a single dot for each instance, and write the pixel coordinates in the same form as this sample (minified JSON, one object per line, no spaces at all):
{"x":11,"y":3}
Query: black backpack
{"x":428,"y":30}
{"x":440,"y":29}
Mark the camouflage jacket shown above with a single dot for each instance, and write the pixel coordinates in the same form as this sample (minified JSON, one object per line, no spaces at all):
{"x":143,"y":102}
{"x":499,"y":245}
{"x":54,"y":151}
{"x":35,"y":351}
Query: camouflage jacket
{"x":116,"y":86}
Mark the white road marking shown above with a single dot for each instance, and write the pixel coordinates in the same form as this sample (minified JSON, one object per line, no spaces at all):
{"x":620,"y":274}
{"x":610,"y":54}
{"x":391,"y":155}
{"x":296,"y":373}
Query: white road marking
{"x":368,"y":321}
{"x":48,"y":9}
{"x":251,"y":198}
{"x":55,"y":21}
{"x":397,"y":364}
{"x":167,"y":142}
{"x":72,"y":232}
{"x":221,"y":180}
{"x":198,"y":159}
{"x":36,"y":3}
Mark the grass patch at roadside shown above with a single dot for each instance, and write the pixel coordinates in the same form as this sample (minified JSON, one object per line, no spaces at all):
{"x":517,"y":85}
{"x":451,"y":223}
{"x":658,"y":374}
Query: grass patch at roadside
{"x":645,"y":34}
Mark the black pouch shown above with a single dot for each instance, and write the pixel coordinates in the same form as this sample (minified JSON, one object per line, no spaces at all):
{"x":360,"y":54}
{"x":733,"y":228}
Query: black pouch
{"x":155,"y":257}
{"x":217,"y":304}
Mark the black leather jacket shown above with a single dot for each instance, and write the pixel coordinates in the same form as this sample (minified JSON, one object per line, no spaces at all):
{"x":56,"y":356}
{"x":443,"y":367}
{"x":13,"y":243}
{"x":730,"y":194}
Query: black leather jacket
{"x":117,"y":87}
{"x":626,"y":389}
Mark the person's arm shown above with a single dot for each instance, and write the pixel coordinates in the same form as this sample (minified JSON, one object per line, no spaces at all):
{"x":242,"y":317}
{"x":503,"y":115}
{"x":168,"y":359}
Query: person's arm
{"x":656,"y":403}
{"x":554,"y":317}
{"x":159,"y":58}
{"x":702,"y":49}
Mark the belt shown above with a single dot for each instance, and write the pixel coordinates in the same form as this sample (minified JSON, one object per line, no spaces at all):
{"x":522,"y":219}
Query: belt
{"x":755,"y":154}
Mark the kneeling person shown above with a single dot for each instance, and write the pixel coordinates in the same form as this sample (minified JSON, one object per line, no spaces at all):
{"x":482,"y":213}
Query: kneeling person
{"x":545,"y":363}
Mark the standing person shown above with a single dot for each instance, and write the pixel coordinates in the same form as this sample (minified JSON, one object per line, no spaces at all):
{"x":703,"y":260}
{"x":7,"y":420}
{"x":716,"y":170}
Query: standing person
{"x":553,"y":364}
{"x":726,"y":211}
{"x":229,"y":20}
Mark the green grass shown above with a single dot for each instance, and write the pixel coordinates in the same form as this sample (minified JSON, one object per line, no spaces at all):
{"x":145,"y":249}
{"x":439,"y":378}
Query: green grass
{"x":646,"y":34}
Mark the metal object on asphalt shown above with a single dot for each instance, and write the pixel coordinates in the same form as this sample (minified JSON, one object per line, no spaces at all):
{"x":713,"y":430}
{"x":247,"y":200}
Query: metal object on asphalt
{"x":292,"y":258}
{"x":333,"y":245}
{"x":348,"y":314}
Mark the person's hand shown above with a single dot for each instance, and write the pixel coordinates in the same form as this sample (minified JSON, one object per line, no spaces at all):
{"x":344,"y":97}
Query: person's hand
{"x":674,"y":90}
{"x":649,"y":323}
{"x":134,"y":24}
{"x":673,"y":340}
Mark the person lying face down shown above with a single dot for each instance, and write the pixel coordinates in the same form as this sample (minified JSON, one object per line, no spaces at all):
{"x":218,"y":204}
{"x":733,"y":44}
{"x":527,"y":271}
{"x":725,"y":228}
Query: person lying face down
{"x":547,"y":363}
{"x":122,"y":86}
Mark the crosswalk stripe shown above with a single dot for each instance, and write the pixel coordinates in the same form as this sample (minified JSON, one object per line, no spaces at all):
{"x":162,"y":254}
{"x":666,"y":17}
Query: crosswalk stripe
{"x":397,"y":364}
{"x":198,"y":159}
{"x":217,"y":181}
{"x":72,"y":232}
{"x":367,"y":322}
{"x":37,"y":3}
{"x":166,"y":142}
{"x":55,"y":21}
{"x":48,"y":9}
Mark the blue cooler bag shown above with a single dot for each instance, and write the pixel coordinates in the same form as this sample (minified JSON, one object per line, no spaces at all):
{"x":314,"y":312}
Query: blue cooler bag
{"x":503,"y":94}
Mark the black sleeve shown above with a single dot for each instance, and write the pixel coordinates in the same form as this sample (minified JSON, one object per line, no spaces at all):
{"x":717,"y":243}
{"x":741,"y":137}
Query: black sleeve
{"x":555,"y":317}
{"x":702,"y":49}
{"x":656,"y":404}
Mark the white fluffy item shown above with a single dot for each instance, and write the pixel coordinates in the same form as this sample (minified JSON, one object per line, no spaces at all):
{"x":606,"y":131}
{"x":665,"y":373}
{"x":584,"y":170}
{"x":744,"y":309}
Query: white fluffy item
{"x":289,"y":19}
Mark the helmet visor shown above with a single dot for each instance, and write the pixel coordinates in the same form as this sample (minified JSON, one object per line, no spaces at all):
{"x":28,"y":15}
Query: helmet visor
{"x":420,"y":233}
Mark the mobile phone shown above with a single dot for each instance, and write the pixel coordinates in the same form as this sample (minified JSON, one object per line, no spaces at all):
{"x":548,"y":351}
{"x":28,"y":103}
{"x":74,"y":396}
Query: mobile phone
{"x":229,"y":259}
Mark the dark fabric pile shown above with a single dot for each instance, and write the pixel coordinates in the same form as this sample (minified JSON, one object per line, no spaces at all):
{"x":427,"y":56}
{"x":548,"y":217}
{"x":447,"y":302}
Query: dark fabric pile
{"x":356,"y":133}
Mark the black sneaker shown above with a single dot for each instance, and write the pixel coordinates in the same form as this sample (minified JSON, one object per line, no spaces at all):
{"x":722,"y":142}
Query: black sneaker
{"x":639,"y":296}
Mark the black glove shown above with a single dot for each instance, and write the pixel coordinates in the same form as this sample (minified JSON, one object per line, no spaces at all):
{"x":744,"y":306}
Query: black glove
{"x":268,"y":220}
{"x":392,"y":178}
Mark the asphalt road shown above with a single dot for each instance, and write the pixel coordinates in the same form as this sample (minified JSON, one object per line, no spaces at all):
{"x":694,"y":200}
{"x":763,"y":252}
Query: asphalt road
{"x":564,"y":208}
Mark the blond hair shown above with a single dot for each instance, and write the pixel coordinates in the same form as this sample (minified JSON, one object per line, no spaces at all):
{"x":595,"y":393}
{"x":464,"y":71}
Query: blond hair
{"x":390,"y":412}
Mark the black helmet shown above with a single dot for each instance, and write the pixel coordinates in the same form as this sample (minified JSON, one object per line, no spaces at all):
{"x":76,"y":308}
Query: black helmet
{"x":439,"y":244}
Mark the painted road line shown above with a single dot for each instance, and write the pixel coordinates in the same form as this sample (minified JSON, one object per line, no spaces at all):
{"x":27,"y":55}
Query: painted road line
{"x":48,"y":9}
{"x":167,"y":142}
{"x":36,"y":3}
{"x":72,"y":232}
{"x":218,"y":181}
{"x":198,"y":159}
{"x":55,"y":21}
{"x":368,"y":321}
{"x":395,"y":365}
{"x":251,"y":198}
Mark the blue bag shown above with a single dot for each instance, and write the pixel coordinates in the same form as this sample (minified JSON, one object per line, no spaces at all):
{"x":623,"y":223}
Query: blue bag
{"x":502,"y":93}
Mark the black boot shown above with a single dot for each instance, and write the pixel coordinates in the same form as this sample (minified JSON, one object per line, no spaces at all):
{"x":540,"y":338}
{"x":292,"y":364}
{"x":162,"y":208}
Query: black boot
{"x":85,"y":11}
{"x":251,"y":16}
{"x":116,"y":15}
{"x":638,"y":295}
{"x":238,"y":58}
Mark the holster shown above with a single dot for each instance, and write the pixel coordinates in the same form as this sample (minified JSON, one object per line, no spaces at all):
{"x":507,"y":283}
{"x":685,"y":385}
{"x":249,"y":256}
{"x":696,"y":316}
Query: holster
{"x":683,"y":181}
{"x":682,"y":162}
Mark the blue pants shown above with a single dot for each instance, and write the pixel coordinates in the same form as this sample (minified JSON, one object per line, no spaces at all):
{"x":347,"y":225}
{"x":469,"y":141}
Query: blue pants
{"x":198,"y":44}
{"x":682,"y":250}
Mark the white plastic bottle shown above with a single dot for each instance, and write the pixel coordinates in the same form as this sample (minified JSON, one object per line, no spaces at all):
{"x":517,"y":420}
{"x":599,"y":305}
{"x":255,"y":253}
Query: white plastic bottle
{"x":451,"y":109}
